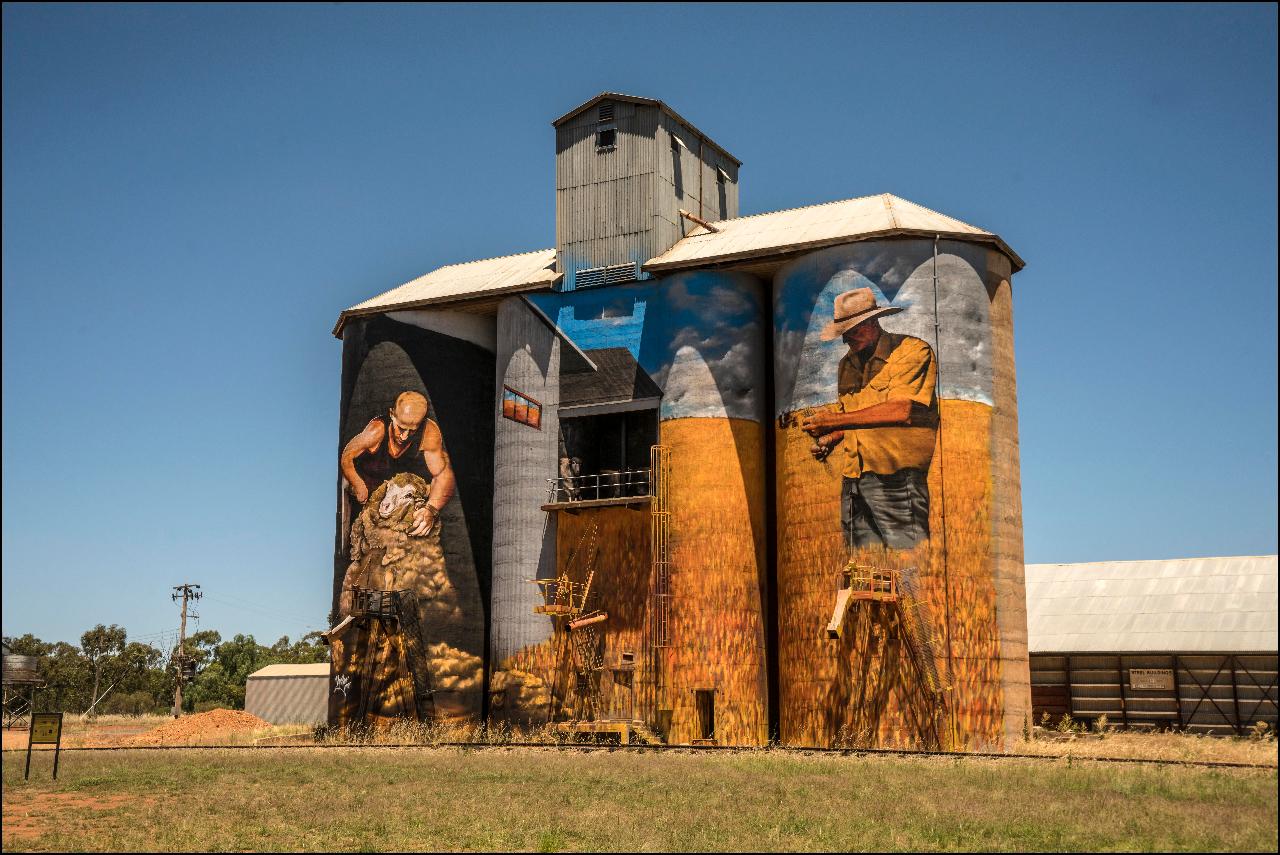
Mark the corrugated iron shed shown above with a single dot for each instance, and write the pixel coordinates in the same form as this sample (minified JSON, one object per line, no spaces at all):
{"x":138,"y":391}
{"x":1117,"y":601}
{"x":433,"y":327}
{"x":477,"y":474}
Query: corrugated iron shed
{"x":527,"y":271}
{"x":816,"y":226}
{"x":1219,"y":605}
{"x":289,"y":694}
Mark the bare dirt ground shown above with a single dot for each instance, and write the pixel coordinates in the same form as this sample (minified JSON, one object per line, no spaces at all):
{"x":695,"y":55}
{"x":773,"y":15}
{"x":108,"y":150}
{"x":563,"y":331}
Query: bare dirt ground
{"x":29,"y":816}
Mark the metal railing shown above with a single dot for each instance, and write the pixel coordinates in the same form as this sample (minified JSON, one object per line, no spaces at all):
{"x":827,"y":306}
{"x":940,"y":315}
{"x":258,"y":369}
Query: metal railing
{"x":610,"y":484}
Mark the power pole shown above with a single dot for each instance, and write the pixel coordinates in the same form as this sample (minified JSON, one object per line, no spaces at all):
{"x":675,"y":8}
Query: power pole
{"x":186,"y":591}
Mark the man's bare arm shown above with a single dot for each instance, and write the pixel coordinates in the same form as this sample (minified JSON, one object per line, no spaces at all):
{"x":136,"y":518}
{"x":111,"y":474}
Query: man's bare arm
{"x":443,"y":483}
{"x":362,"y":443}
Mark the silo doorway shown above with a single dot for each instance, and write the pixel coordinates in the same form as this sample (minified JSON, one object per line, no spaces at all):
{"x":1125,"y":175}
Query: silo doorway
{"x":704,"y":705}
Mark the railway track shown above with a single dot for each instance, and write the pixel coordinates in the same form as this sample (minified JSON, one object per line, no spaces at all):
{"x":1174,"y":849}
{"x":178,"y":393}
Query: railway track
{"x":679,"y":749}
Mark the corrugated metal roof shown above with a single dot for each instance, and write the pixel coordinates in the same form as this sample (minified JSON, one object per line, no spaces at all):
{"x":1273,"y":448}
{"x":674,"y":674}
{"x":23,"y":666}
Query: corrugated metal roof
{"x":740,"y":239}
{"x":319,"y":669}
{"x":1175,"y":606}
{"x":526,"y":271}
{"x":816,"y":226}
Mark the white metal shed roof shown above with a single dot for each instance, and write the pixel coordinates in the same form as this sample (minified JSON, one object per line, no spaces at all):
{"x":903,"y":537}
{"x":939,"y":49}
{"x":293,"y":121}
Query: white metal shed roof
{"x":817,"y":226}
{"x":319,"y":669}
{"x":491,"y":276}
{"x":1173,"y":606}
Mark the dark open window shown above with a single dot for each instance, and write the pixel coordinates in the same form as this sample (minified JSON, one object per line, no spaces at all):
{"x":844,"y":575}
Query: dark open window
{"x":607,"y":456}
{"x":606,"y":138}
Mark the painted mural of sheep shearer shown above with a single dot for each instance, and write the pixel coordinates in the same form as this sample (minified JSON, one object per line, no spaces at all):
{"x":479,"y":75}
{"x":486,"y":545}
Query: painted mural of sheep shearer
{"x":397,"y":599}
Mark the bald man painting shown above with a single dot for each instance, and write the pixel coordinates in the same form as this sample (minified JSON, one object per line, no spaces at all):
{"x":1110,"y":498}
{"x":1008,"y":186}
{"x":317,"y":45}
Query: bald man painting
{"x":403,"y":440}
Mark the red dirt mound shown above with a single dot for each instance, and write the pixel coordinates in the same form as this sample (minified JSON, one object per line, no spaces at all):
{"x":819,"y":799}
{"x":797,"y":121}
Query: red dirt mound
{"x":206,"y":728}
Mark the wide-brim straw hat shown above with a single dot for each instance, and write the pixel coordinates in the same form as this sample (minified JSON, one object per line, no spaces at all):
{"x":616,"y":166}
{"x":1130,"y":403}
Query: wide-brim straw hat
{"x":851,"y":309}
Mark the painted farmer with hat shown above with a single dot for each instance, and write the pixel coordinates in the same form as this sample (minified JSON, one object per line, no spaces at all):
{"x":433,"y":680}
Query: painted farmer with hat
{"x":886,"y":422}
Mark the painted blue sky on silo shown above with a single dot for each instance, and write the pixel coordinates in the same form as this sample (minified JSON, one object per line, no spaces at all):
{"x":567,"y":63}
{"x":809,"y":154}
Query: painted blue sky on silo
{"x":900,"y":274}
{"x":682,"y":322}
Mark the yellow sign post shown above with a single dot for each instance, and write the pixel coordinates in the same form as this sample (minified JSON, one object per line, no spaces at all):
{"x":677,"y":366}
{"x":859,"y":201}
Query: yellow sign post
{"x":46,"y":729}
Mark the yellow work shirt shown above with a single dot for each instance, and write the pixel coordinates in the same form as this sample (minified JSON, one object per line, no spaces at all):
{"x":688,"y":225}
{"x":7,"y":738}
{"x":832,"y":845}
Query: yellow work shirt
{"x":901,"y":367}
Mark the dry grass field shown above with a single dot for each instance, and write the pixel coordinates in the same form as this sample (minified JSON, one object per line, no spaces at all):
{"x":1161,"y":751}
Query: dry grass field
{"x":110,"y":731}
{"x":543,"y":800}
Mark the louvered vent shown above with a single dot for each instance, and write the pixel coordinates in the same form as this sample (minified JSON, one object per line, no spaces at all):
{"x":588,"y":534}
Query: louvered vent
{"x":614,"y":274}
{"x":605,"y":112}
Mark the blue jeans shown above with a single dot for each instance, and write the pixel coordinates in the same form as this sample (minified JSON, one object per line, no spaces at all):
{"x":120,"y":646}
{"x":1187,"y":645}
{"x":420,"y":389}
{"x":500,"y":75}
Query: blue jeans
{"x":886,"y":510}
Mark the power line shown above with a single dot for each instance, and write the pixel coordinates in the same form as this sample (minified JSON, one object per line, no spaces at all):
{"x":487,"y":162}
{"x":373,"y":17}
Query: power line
{"x":294,"y":620}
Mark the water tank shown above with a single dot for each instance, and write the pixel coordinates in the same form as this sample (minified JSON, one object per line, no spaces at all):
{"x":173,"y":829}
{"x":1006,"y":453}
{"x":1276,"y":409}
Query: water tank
{"x":21,"y":669}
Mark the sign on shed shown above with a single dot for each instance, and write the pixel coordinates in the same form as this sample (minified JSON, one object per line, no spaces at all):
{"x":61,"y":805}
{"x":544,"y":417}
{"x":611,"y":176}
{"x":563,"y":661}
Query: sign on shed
{"x":1151,"y":678}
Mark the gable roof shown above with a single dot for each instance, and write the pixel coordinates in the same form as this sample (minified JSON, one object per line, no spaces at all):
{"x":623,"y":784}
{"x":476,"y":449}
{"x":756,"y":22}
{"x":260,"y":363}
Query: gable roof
{"x":527,"y":271}
{"x":814,"y":227}
{"x":648,"y":102}
{"x":1176,"y":606}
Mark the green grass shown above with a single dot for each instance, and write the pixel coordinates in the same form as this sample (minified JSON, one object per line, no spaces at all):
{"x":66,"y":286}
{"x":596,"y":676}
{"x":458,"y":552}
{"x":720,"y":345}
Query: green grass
{"x":351,"y":800}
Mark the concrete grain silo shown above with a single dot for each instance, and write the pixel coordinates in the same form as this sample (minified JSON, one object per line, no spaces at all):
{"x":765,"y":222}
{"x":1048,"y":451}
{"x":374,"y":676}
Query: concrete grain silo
{"x":900,"y":611}
{"x":734,"y":477}
{"x":645,"y":472}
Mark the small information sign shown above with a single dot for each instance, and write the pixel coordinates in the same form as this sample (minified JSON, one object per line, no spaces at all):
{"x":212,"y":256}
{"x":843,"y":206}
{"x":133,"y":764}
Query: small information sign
{"x":1151,"y":678}
{"x":46,"y":729}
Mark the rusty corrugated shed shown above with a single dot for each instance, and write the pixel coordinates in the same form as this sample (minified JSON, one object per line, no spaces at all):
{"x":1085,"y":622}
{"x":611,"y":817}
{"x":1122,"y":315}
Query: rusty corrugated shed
{"x":802,"y":229}
{"x":1217,"y":605}
{"x":527,"y":271}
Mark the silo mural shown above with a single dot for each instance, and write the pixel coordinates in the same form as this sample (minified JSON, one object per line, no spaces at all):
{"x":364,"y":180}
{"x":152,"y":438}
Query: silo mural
{"x":414,"y":520}
{"x":897,"y":585}
{"x":629,"y":548}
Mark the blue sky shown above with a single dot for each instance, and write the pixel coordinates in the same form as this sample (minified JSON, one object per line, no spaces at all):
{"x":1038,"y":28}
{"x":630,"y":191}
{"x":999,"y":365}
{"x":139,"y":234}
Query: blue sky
{"x":192,"y":193}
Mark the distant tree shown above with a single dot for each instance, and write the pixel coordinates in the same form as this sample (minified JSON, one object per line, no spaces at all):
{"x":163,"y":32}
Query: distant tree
{"x":27,"y":645}
{"x":67,"y":677}
{"x":306,"y":650}
{"x":101,"y":645}
{"x":114,"y":660}
{"x":109,"y":674}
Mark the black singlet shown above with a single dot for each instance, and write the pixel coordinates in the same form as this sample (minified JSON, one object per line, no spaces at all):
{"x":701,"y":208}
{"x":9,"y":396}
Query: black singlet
{"x":381,"y":465}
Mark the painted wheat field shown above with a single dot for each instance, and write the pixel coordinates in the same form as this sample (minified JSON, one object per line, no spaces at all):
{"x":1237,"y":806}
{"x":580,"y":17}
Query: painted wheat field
{"x":860,"y":689}
{"x":718,"y":578}
{"x":716,"y":629}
